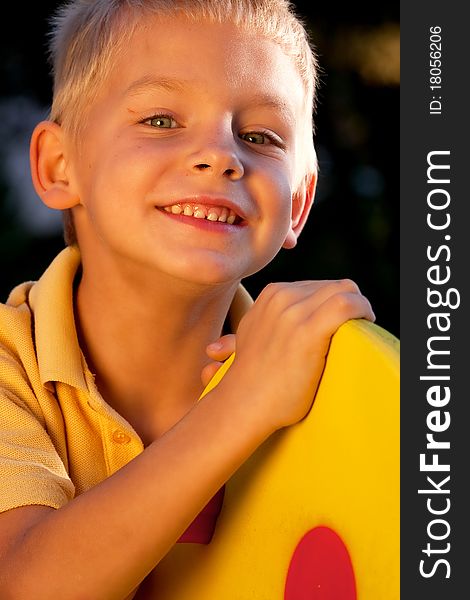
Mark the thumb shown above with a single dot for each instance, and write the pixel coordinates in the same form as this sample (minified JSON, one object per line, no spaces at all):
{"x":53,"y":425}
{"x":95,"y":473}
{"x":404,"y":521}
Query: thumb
{"x":222,"y":348}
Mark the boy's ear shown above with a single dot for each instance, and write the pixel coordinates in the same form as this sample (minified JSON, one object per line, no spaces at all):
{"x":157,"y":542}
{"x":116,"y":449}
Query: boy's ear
{"x":48,"y":166}
{"x":302,"y":201}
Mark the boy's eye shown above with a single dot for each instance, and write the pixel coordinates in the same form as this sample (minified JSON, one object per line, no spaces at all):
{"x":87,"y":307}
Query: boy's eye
{"x":263,"y":138}
{"x":254,"y":137}
{"x":162,"y":122}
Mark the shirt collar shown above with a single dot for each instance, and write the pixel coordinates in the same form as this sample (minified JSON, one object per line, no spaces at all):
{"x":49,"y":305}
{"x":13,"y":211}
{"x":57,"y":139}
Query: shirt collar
{"x":51,"y":299}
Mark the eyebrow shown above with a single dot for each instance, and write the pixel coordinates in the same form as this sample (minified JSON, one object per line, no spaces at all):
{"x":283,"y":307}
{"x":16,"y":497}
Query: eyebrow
{"x":267,"y":101}
{"x":149,"y":83}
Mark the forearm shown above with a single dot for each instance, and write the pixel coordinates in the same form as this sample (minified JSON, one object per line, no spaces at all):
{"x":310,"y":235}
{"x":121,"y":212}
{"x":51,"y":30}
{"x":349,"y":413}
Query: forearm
{"x":103,"y":543}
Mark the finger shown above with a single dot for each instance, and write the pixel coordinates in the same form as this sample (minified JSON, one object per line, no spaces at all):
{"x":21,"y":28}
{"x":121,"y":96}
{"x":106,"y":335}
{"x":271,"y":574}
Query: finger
{"x":338,"y":309}
{"x":278,"y":296}
{"x":209,"y":371}
{"x":222,"y":348}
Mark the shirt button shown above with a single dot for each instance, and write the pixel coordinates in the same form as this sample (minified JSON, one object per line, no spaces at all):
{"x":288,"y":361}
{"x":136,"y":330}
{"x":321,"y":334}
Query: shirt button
{"x":120,"y":437}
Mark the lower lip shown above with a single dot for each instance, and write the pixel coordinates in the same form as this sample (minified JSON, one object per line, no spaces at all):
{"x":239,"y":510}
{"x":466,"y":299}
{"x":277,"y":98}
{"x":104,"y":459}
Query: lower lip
{"x":204,"y":224}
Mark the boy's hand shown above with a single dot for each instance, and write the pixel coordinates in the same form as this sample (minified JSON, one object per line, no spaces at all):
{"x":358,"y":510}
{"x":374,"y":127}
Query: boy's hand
{"x":218,"y":352}
{"x":282,"y":343}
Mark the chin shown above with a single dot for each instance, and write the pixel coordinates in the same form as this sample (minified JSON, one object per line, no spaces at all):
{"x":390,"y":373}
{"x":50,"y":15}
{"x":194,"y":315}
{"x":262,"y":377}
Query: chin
{"x":212,"y":277}
{"x":209,"y":270}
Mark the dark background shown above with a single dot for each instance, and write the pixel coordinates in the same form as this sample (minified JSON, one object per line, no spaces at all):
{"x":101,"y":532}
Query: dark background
{"x":353,"y":228}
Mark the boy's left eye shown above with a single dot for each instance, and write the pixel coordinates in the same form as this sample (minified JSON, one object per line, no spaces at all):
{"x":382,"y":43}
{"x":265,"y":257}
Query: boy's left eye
{"x":254,"y":137}
{"x":262,"y":137}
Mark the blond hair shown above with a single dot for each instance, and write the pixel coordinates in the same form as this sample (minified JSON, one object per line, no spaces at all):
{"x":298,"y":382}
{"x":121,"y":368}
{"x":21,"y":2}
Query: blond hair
{"x":88,"y":35}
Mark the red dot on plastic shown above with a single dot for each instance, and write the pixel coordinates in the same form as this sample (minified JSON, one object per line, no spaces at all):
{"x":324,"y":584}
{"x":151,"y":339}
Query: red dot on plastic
{"x":320,"y":568}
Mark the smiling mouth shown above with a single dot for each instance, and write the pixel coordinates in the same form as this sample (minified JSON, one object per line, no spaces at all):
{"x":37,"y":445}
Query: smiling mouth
{"x":220,"y":214}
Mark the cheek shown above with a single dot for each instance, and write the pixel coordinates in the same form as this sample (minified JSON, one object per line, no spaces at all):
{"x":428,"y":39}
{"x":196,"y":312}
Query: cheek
{"x":276,"y":191}
{"x":127,"y":177}
{"x":274,"y":196}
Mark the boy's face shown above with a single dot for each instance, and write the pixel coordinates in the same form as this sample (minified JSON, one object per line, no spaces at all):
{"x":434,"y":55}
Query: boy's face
{"x":201,"y":118}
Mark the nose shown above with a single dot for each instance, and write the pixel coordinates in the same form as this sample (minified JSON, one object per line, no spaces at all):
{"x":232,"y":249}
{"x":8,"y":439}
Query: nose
{"x":217,"y":157}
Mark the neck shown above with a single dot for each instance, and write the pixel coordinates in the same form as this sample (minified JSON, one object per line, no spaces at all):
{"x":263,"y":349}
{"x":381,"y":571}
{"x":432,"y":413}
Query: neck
{"x":147,"y":350}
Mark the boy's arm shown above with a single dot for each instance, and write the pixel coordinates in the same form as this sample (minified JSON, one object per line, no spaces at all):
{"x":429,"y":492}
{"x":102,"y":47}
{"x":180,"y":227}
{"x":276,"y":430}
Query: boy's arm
{"x":103,"y":543}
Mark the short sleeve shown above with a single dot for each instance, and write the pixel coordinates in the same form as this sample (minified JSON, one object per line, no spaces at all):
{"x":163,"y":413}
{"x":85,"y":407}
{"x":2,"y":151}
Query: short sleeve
{"x":31,"y":470}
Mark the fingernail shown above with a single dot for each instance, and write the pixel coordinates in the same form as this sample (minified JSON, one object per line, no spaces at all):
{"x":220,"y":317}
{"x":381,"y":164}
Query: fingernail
{"x":214,"y":346}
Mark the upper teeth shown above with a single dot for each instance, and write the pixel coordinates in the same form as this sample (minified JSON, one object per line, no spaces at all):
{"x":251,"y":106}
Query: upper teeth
{"x":212,"y":213}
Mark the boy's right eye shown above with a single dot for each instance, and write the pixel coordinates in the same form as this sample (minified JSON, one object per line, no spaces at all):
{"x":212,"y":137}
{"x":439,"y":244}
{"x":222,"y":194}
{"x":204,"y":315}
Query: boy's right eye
{"x":161,"y":122}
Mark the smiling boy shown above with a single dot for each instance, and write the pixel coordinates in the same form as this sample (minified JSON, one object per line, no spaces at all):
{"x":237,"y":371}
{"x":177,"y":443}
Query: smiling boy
{"x":180,"y":145}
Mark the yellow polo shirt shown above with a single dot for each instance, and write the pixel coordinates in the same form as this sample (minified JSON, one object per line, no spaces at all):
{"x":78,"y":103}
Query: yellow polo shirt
{"x":58,"y":437}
